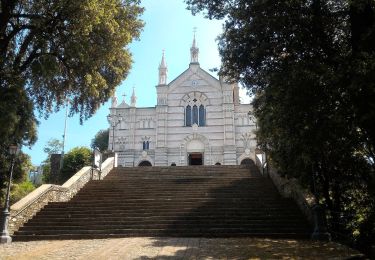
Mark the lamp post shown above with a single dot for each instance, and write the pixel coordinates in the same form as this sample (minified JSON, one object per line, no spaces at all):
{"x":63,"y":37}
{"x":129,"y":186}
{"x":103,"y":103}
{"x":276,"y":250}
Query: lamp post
{"x":5,"y":238}
{"x":320,"y":221}
{"x":114,"y":121}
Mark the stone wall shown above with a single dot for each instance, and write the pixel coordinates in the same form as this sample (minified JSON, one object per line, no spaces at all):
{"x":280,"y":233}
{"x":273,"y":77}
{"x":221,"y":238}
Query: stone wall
{"x":290,"y":188}
{"x":27,"y":207}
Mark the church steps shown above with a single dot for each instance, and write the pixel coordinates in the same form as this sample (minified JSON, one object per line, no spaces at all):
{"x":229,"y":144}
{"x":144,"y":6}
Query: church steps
{"x":121,"y":229}
{"x":188,"y":228}
{"x":170,"y":195}
{"x":169,"y":212}
{"x":171,"y":201}
{"x":191,"y":203}
{"x":255,"y":220}
{"x":162,"y":233}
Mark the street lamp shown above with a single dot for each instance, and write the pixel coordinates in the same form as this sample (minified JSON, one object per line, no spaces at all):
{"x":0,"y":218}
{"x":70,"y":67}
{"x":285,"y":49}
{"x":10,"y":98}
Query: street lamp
{"x":320,"y":221}
{"x":5,"y":238}
{"x":114,"y":121}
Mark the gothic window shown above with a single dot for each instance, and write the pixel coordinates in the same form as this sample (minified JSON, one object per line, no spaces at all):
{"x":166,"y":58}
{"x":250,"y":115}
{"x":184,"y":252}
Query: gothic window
{"x":146,"y":145}
{"x":202,"y":120}
{"x":195,"y":108}
{"x":195,"y":114}
{"x":188,"y":115}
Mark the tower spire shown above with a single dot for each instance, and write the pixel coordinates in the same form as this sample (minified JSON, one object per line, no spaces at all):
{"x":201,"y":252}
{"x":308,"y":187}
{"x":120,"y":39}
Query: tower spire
{"x":194,"y":50}
{"x":163,"y":71}
{"x":133,"y":100}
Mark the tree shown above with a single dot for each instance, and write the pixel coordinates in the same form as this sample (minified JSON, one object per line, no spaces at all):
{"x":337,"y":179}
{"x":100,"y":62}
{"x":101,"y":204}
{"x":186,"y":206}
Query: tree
{"x":74,"y":160}
{"x":53,"y":146}
{"x":100,"y":140}
{"x":22,"y":167}
{"x":54,"y":51}
{"x":311,"y":68}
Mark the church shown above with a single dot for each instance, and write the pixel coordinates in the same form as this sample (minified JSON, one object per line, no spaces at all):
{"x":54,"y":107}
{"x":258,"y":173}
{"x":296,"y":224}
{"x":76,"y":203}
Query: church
{"x":198,"y":120}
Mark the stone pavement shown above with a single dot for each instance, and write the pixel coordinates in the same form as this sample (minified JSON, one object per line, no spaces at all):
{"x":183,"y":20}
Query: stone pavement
{"x":175,"y":248}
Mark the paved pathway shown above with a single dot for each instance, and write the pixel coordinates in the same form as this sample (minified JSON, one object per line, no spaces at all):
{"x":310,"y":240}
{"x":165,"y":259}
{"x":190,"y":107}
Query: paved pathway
{"x":174,"y":248}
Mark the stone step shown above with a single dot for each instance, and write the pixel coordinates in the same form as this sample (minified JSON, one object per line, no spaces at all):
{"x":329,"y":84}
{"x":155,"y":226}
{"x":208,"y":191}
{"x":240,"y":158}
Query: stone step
{"x":171,"y":201}
{"x":165,"y":224}
{"x":168,"y":204}
{"x":207,"y":230}
{"x":167,"y":215}
{"x":154,"y":233}
{"x":160,"y":220}
{"x":172,"y":197}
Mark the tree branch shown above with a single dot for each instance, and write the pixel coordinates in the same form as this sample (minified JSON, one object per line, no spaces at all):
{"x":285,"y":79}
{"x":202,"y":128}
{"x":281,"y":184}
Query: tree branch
{"x":23,"y":49}
{"x":30,"y":16}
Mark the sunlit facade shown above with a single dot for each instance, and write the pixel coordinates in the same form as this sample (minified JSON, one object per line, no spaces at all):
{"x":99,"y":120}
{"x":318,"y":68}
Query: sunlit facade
{"x":198,"y":120}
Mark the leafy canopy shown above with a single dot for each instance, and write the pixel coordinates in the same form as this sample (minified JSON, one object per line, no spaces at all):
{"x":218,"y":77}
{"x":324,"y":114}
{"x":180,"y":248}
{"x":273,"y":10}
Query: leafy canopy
{"x":74,"y":160}
{"x":53,"y":146}
{"x":100,"y":140}
{"x":311,"y":68}
{"x":52,"y":52}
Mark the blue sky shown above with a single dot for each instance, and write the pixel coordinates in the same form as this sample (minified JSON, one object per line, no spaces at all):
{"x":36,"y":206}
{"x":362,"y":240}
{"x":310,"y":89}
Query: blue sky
{"x":168,"y":26}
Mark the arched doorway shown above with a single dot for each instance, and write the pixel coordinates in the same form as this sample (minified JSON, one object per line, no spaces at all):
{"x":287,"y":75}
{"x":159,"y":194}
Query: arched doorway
{"x":247,"y":161}
{"x":195,"y":150}
{"x":145,"y":163}
{"x":217,"y":163}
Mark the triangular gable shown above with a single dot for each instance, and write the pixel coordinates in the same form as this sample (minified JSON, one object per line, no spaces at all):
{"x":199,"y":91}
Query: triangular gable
{"x":194,"y":74}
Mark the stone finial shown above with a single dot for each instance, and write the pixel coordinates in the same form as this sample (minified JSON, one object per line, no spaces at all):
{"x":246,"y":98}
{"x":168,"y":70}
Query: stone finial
{"x":114,"y":101}
{"x":163,"y":71}
{"x":133,"y":99}
{"x":194,"y":50}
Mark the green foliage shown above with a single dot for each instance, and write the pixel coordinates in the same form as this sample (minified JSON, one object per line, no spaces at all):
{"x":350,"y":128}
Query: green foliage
{"x":311,"y":68}
{"x":54,"y":51}
{"x":74,"y":160}
{"x":22,"y":167}
{"x":20,"y":190}
{"x":46,"y":166}
{"x":100,"y":140}
{"x":53,"y":146}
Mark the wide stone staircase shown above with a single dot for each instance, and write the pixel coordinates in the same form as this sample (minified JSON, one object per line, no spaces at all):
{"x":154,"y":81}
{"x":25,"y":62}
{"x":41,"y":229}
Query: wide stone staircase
{"x":192,"y":201}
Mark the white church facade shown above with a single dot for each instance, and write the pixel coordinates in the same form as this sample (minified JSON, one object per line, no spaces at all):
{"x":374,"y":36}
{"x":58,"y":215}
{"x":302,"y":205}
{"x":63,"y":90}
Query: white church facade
{"x":198,"y":120}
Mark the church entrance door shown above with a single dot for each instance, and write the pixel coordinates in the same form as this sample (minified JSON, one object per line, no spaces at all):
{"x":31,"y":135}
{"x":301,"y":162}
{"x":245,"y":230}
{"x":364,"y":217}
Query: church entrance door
{"x":145,"y":163}
{"x":195,"y":158}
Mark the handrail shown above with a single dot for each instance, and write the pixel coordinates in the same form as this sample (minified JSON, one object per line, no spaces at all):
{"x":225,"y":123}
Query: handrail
{"x":28,"y":206}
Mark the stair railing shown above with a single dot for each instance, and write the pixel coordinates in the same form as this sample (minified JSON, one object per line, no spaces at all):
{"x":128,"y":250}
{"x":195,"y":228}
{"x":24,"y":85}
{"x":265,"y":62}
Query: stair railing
{"x":27,"y":207}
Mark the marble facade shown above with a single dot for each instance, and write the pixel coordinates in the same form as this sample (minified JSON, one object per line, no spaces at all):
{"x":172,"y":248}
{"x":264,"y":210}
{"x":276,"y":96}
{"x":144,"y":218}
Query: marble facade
{"x":198,"y":119}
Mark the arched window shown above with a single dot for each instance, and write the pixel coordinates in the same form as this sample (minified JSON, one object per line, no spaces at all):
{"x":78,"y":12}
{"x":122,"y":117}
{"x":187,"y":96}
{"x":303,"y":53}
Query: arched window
{"x":146,"y":145}
{"x":202,"y":115}
{"x":188,"y":115}
{"x":195,"y":115}
{"x":195,"y":108}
